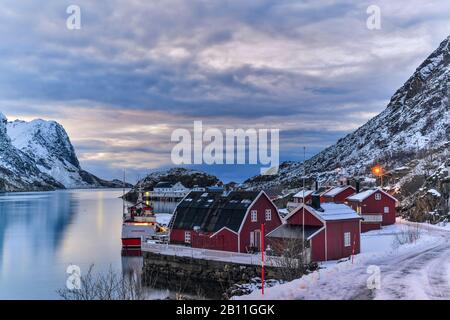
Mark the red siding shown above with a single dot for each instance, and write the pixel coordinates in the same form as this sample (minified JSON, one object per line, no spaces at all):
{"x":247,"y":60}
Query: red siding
{"x":260,"y":206}
{"x":335,"y":239}
{"x":341,"y":196}
{"x":177,"y":236}
{"x":334,"y":247}
{"x":372,"y":206}
{"x":223,"y":240}
{"x":310,"y":219}
{"x":365,"y":227}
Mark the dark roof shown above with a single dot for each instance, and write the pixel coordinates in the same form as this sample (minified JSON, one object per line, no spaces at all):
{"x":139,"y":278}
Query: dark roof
{"x":211,"y":211}
{"x":289,"y":231}
{"x":163,"y":184}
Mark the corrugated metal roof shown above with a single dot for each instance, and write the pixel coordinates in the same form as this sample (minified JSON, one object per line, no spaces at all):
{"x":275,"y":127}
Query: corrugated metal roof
{"x":211,"y":211}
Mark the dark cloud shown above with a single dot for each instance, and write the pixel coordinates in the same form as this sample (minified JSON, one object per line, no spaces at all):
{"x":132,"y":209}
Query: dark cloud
{"x":310,"y":68}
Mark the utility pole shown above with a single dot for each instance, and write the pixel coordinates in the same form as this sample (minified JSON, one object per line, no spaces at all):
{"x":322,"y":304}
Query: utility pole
{"x":303,"y":213}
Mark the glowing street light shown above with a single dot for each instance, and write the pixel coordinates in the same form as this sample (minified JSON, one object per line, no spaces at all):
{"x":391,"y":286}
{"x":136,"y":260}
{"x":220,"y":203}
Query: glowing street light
{"x":378,"y":171}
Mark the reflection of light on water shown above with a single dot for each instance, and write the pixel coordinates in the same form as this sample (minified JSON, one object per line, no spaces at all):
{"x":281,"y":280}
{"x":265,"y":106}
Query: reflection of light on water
{"x":100,"y":209}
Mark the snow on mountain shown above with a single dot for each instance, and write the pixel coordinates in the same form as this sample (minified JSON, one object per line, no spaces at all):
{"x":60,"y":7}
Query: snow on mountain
{"x":412,"y":133}
{"x":50,"y":146}
{"x":18,"y":170}
{"x":38,"y":155}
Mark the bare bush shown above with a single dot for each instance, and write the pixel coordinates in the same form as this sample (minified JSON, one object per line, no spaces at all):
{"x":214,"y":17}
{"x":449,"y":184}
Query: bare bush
{"x":289,"y":258}
{"x":406,"y":236}
{"x":105,"y":286}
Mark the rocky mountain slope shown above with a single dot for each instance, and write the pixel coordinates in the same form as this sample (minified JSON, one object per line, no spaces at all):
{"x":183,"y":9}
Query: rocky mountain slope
{"x":410,"y":138}
{"x":38,"y":155}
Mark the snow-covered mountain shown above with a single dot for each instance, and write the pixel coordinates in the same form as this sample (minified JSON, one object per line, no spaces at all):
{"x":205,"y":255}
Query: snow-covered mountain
{"x":38,"y":155}
{"x":410,"y":138}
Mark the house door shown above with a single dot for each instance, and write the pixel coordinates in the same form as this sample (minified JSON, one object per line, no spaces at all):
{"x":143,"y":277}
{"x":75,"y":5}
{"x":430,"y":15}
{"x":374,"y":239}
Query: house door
{"x":257,"y":241}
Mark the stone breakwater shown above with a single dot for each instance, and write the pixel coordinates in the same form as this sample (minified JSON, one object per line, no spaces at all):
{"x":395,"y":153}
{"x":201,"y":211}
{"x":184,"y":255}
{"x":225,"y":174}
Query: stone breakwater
{"x":209,"y":278}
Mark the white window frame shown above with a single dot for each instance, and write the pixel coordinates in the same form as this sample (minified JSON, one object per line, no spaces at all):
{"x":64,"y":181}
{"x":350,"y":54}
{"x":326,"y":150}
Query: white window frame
{"x":268,"y":215}
{"x":254,"y":215}
{"x":377,"y":196}
{"x":347,"y":239}
{"x":386,"y":209}
{"x":187,"y":237}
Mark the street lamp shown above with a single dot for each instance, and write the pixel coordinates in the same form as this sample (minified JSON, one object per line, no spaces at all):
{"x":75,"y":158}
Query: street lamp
{"x":378,"y":171}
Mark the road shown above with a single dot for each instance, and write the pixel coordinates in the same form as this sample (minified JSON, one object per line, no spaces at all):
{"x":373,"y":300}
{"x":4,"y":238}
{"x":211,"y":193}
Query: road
{"x":416,"y":271}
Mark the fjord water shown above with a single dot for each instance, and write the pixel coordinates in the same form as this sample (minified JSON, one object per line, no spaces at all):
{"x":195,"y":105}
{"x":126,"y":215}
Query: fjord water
{"x":42,"y":233}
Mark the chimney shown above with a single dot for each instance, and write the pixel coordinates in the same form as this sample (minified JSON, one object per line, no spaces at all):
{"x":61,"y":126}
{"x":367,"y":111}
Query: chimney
{"x":348,"y":181}
{"x":317,"y":185}
{"x":315,"y":202}
{"x":357,"y":186}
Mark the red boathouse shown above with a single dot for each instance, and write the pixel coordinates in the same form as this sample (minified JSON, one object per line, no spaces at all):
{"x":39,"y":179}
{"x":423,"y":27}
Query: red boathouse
{"x":332,"y":230}
{"x":376,"y":207}
{"x":218,"y":221}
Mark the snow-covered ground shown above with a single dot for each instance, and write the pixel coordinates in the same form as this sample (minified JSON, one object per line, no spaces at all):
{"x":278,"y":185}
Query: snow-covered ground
{"x":418,"y":270}
{"x":163,"y":218}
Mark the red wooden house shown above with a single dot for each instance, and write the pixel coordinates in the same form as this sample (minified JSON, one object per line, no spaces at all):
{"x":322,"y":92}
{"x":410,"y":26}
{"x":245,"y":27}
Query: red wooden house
{"x":338,"y":194}
{"x":375,"y":206}
{"x":229,"y":222}
{"x":332,"y":230}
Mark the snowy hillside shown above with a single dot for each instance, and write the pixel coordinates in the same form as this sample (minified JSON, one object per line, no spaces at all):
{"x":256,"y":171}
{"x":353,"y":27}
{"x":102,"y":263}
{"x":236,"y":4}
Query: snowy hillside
{"x":38,"y":155}
{"x":409,"y":138}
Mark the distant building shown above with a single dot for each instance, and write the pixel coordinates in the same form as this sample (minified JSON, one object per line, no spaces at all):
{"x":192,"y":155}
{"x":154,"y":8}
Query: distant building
{"x":376,"y":207}
{"x":297,"y":199}
{"x":338,"y":194}
{"x":332,"y":231}
{"x":223,"y":221}
{"x":166,"y":187}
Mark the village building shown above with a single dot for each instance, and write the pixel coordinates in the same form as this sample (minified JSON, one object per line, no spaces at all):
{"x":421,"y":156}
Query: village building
{"x":376,"y":207}
{"x":303,"y":196}
{"x":338,"y":194}
{"x":223,"y":221}
{"x":331,"y":231}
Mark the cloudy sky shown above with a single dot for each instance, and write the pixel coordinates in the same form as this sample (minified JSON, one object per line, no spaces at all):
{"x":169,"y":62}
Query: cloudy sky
{"x":138,"y":69}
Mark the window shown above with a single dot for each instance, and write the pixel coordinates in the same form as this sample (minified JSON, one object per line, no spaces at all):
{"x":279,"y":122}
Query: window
{"x":347,"y":241}
{"x":187,"y":237}
{"x":386,"y":209}
{"x":254,"y":216}
{"x":377,"y":196}
{"x":268,"y":214}
{"x":358,"y":210}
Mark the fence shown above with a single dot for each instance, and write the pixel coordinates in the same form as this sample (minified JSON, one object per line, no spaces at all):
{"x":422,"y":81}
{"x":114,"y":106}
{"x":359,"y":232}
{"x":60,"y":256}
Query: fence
{"x":207,"y":254}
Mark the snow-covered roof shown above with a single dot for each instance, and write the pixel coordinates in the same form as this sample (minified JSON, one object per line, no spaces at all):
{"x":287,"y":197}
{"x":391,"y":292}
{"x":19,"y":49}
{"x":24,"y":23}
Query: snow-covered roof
{"x":331,"y":212}
{"x":365,"y":194}
{"x":336,"y":211}
{"x":335,"y":191}
{"x":305,"y":192}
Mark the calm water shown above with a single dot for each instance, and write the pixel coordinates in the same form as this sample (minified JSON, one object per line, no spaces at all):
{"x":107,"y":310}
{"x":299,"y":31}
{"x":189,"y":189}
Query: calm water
{"x":42,"y":233}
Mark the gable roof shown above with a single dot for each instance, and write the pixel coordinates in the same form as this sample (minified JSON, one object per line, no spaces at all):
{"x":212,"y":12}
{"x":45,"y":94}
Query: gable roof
{"x":306,"y":192}
{"x":336,"y":190}
{"x":212,"y":211}
{"x":365,"y":194}
{"x":331,"y":212}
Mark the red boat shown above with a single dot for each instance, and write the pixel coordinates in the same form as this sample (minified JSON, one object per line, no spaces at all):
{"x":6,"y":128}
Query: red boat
{"x":139,"y":223}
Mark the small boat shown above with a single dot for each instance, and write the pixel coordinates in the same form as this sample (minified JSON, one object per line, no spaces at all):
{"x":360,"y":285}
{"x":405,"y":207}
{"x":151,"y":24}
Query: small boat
{"x":139,"y":224}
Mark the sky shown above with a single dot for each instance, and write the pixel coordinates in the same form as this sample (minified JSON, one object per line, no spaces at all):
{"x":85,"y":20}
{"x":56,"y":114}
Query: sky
{"x":137,"y":70}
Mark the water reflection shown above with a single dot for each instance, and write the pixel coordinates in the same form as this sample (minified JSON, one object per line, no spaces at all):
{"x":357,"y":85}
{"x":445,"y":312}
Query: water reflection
{"x":42,"y":233}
